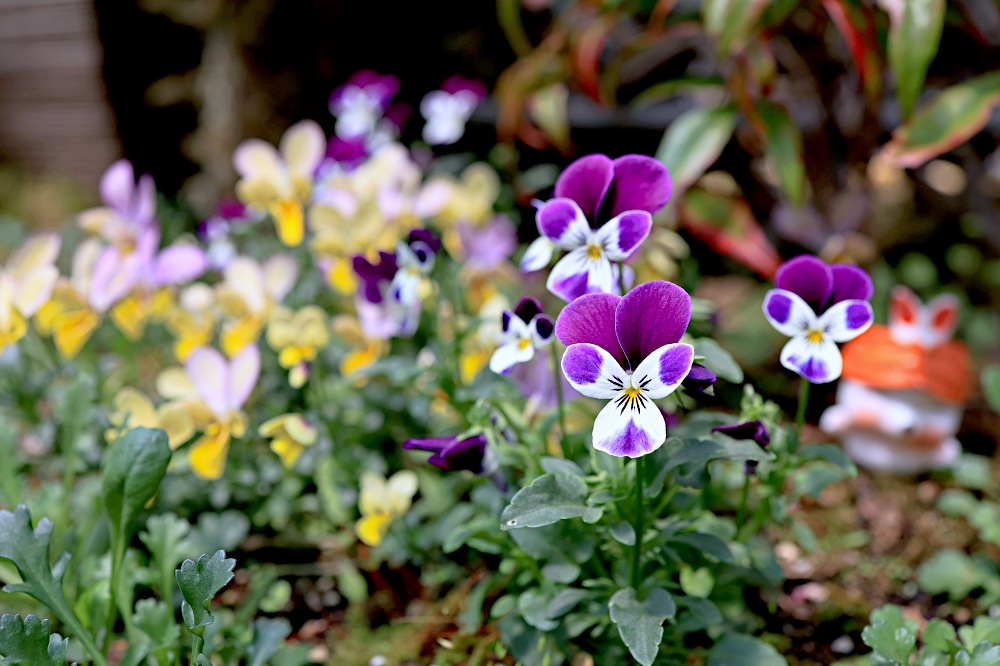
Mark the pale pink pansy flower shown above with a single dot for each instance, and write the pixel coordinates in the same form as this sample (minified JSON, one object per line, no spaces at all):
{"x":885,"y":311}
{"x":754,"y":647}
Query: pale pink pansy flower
{"x":448,"y":110}
{"x":129,"y":207}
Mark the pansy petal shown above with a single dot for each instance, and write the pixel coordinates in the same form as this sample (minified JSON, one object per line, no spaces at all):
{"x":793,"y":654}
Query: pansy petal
{"x":144,"y":203}
{"x":303,"y":146}
{"x":601,"y":276}
{"x":847,"y":320}
{"x":640,"y":183}
{"x":244,"y":369}
{"x":35,"y":289}
{"x":401,"y":487}
{"x":807,"y":276}
{"x":851,"y":283}
{"x":591,"y":319}
{"x":538,"y":255}
{"x":562,"y":222}
{"x":258,"y":159}
{"x":818,"y":363}
{"x":180,"y":263}
{"x":593,"y":372}
{"x":788,"y":313}
{"x":209,"y":373}
{"x":280,"y":272}
{"x":621,"y":236}
{"x":118,"y":185}
{"x":662,"y":372}
{"x":38,"y":250}
{"x":513,"y":327}
{"x":527,"y":308}
{"x":509,"y":355}
{"x":245,"y":278}
{"x":586,"y":181}
{"x":371,"y":529}
{"x":570,"y":277}
{"x":208,"y":454}
{"x":630,"y":432}
{"x":653,"y":314}
{"x":542,"y":330}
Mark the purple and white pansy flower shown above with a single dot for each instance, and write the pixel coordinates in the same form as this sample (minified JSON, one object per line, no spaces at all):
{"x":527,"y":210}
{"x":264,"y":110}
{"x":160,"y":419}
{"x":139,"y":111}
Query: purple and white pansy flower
{"x":524,"y":330}
{"x":448,"y":110}
{"x":621,"y":196}
{"x":818,"y":305}
{"x":627,"y":350}
{"x":380,"y":314}
{"x":415,"y":261}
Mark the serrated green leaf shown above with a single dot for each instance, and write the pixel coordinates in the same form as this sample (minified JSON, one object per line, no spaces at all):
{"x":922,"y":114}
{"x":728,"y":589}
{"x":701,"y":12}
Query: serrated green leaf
{"x":952,"y":572}
{"x":743,"y":650}
{"x":640,"y":623}
{"x":940,"y":635}
{"x":156,"y":619}
{"x":718,"y":360}
{"x":914,"y":35}
{"x":892,"y":637}
{"x":983,"y":655}
{"x":693,"y":142}
{"x":28,"y":641}
{"x":269,"y":635}
{"x":983,"y":629}
{"x":166,"y":538}
{"x":135,"y":466}
{"x":29,"y":551}
{"x":549,"y":498}
{"x":199,"y":583}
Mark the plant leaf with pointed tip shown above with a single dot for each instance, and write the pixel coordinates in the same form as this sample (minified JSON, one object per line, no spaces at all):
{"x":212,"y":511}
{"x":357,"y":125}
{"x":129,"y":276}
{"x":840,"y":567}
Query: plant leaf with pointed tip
{"x":784,"y":148}
{"x":890,"y":635}
{"x":640,"y":623}
{"x":131,"y":477}
{"x":199,"y":582}
{"x":913,"y":42}
{"x":694,"y":141}
{"x":28,"y":641}
{"x":549,"y":498}
{"x":742,"y":650}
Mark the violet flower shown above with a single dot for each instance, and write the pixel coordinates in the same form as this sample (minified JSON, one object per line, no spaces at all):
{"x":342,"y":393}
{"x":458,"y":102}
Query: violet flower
{"x":472,"y":454}
{"x":621,"y":195}
{"x":700,"y":380}
{"x":818,"y":305}
{"x":360,"y":103}
{"x":488,"y":247}
{"x":129,"y":206}
{"x":415,"y":258}
{"x":626,"y":350}
{"x":448,"y":110}
{"x":381,"y":315}
{"x":524,"y":330}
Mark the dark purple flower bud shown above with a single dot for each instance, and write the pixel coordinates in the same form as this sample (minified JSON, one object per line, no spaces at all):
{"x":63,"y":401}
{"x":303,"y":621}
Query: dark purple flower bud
{"x":453,"y":454}
{"x":373,"y":276}
{"x":699,"y":380}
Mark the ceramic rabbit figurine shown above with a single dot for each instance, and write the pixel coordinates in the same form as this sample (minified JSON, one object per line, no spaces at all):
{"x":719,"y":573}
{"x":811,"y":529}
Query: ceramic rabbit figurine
{"x":903,"y":389}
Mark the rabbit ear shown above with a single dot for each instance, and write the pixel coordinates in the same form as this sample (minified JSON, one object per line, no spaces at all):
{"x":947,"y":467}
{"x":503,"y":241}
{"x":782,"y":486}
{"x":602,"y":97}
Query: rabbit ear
{"x":905,"y":315}
{"x":941,"y":320}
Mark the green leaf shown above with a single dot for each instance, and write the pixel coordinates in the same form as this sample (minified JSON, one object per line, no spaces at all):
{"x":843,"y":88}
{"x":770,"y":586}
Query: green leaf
{"x":561,"y":465}
{"x":549,"y":498}
{"x":708,"y":544}
{"x":199,"y":582}
{"x":166,"y":539}
{"x":29,"y":551}
{"x":950,"y":119}
{"x":810,"y":480}
{"x":952,"y":572}
{"x":156,"y":619}
{"x":983,"y":629}
{"x":533,"y":606}
{"x":832,"y":454}
{"x":914,"y":35}
{"x":623,"y":533}
{"x":29,"y":642}
{"x":696,"y":614}
{"x":955,"y":502}
{"x":696,"y":582}
{"x":983,"y":655}
{"x":784,"y":148}
{"x":889,"y":635}
{"x":640,"y":623}
{"x":940,"y":635}
{"x":991,"y":386}
{"x":566,"y":601}
{"x":743,"y":650}
{"x":732,"y":21}
{"x":131,"y":477}
{"x":693,"y":142}
{"x":718,"y":360}
{"x":269,"y":635}
{"x":471,"y":617}
{"x":974,"y":472}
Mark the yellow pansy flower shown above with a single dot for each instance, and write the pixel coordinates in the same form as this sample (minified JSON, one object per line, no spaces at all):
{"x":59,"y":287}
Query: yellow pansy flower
{"x":297,"y":337}
{"x":468,"y":198}
{"x":249,"y":293}
{"x":212,"y":391}
{"x":382,"y":501}
{"x":132,"y":409}
{"x":280,"y":181}
{"x":364,"y":350}
{"x":290,"y":435}
{"x":192,"y":319}
{"x":26,"y":284}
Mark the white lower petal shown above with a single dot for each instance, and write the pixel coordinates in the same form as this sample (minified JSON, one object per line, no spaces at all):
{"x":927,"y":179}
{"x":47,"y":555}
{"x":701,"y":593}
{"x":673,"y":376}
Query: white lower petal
{"x":629,"y":431}
{"x":788,"y":313}
{"x":538,"y":255}
{"x":509,"y":355}
{"x":817,"y":362}
{"x":662,"y":372}
{"x":570,"y":276}
{"x":847,"y":320}
{"x":593,"y":371}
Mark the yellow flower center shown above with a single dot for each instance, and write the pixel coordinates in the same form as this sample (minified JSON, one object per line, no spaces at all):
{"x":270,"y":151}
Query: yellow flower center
{"x":814,"y":336}
{"x":523,"y":343}
{"x":594,"y":252}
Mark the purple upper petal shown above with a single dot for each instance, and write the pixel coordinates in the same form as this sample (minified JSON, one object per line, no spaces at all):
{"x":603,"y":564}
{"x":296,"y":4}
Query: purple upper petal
{"x":180,"y":263}
{"x":850,"y":283}
{"x":807,"y":276}
{"x":373,"y":275}
{"x":591,"y":318}
{"x":456,"y":83}
{"x":586,"y":181}
{"x":451,"y":453}
{"x":651,"y":315}
{"x":640,"y":183}
{"x":434,"y":444}
{"x":699,"y":379}
{"x":527,"y":308}
{"x":426,"y":237}
{"x":755,"y":430}
{"x":118,"y":186}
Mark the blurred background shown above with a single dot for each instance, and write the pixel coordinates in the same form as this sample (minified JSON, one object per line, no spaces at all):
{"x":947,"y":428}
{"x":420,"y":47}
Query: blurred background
{"x":857,"y":130}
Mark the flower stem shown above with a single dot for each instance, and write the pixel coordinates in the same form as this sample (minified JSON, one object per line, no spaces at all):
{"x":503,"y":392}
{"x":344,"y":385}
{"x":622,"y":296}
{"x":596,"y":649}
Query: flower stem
{"x":800,"y":415}
{"x":640,"y":518}
{"x":741,"y":512}
{"x":621,"y":277}
{"x":557,"y":375}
